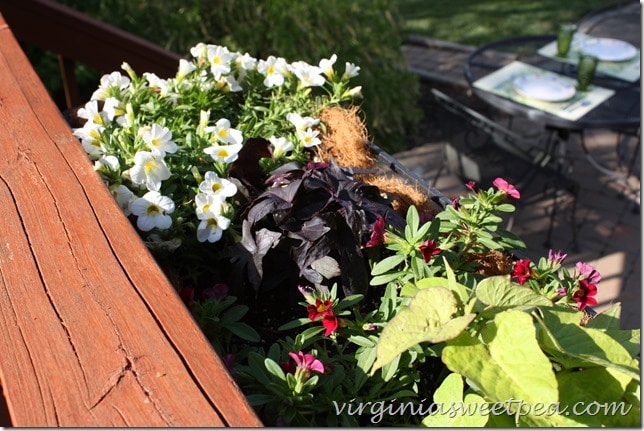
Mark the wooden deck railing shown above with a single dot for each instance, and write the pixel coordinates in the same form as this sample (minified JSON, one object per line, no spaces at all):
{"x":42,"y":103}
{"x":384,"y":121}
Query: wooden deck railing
{"x":91,"y":332}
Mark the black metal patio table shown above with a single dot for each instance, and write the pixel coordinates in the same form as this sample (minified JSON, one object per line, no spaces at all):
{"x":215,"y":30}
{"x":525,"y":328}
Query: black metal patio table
{"x":620,"y":111}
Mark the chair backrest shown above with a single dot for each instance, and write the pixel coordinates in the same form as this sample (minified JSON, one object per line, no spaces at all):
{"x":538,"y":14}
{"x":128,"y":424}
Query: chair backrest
{"x":472,"y":132}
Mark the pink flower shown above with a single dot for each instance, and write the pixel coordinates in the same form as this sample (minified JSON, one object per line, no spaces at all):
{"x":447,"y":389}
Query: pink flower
{"x":588,"y":272}
{"x":522,"y":271}
{"x":556,"y":258}
{"x":377,"y":233}
{"x":306,"y":363}
{"x":506,"y":187}
{"x":429,"y":249}
{"x":584,"y":295}
{"x":472,"y":186}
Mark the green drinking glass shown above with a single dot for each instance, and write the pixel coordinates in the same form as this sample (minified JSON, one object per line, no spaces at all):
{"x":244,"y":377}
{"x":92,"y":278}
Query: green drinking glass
{"x":586,"y":71}
{"x":564,"y":38}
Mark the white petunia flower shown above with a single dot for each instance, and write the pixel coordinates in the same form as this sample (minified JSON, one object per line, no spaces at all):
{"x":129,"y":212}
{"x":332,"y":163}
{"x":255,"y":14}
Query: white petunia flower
{"x":111,"y":85}
{"x":91,"y":113}
{"x":219,"y":58}
{"x":309,"y":76}
{"x":152,"y":211}
{"x":90,"y":136}
{"x":216,"y":186}
{"x":149,"y":169}
{"x":281,"y":146}
{"x":224,"y":153}
{"x":123,"y":196}
{"x":309,"y":138}
{"x":301,"y":123}
{"x":113,"y":108}
{"x":327,"y":65}
{"x":159,"y":139}
{"x":199,"y":50}
{"x":245,"y":63}
{"x":185,"y":67}
{"x":224,"y":133}
{"x":350,"y":71}
{"x":274,"y":69}
{"x":109,"y":162}
{"x":210,"y":210}
{"x":159,"y":84}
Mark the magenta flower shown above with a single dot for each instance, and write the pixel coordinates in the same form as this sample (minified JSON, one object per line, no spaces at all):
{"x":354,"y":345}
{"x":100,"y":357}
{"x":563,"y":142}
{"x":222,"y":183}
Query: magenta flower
{"x":588,"y":272}
{"x":522,"y":271}
{"x":472,"y":186}
{"x":306,"y":363}
{"x":323,"y":309}
{"x":584,"y":295}
{"x":429,"y":249}
{"x":219,"y":291}
{"x":506,"y":187}
{"x":377,"y":234}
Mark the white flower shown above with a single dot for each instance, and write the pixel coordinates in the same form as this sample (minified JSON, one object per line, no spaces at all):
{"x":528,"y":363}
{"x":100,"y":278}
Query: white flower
{"x":224,"y":133}
{"x":216,"y":186}
{"x":109,"y":162}
{"x":309,"y":138}
{"x":350,"y":71}
{"x":111,"y":85}
{"x":113,"y":108}
{"x":245,"y":63}
{"x":161,"y":85}
{"x":219,"y":58}
{"x":199,"y":50}
{"x":281,"y":146}
{"x":152,"y":211}
{"x":123,"y":197}
{"x":90,"y":136}
{"x":210,"y":210}
{"x":301,"y":123}
{"x":185,"y":67}
{"x":159,"y":139}
{"x":149,"y":169}
{"x":309,"y":76}
{"x":275,"y":69}
{"x":91,"y":113}
{"x":327,"y":65}
{"x":224,"y":153}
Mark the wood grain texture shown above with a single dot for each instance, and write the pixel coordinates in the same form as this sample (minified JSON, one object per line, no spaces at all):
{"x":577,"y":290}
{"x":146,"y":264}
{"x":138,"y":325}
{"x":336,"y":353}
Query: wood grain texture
{"x":91,"y":331}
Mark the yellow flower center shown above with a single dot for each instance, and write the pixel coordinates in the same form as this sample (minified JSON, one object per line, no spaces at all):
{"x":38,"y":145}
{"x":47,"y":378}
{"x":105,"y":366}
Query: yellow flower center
{"x":149,"y":167}
{"x":216,"y":187}
{"x":223,"y":153}
{"x":152,"y":210}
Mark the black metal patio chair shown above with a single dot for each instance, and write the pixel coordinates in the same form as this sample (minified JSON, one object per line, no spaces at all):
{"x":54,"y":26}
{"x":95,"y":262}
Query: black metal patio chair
{"x":480,"y":149}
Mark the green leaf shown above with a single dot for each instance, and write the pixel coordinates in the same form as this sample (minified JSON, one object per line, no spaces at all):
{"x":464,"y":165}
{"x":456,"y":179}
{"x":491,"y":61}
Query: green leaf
{"x":428,"y":318}
{"x":273,"y":368}
{"x":607,"y":319}
{"x":595,"y":397}
{"x":510,"y":365}
{"x":628,"y":338}
{"x":499,"y":291}
{"x":361,"y":341}
{"x":455,"y":411}
{"x":257,"y":400}
{"x":387,"y":263}
{"x":386,"y":278}
{"x":412,"y":223}
{"x":348,"y":301}
{"x":294,"y":324}
{"x":243,"y":331}
{"x":505,"y":208}
{"x":574,"y":346}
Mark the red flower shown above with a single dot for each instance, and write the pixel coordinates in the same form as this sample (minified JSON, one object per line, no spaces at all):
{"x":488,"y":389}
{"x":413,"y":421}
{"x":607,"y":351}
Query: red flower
{"x":584,"y":295}
{"x":522,"y":271}
{"x":377,"y":234}
{"x":506,"y":187}
{"x":429,"y":249}
{"x":472,"y":186}
{"x":323,"y":309}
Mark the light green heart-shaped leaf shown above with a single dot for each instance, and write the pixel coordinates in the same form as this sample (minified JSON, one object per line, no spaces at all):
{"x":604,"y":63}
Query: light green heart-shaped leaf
{"x":454,"y":410}
{"x":596,"y":397}
{"x":500,"y":292}
{"x":575,"y":346}
{"x":510,"y":365}
{"x":428,"y":318}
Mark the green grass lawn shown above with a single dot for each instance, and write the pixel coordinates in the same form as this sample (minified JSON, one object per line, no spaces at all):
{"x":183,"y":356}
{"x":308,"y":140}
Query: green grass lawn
{"x":473,"y":22}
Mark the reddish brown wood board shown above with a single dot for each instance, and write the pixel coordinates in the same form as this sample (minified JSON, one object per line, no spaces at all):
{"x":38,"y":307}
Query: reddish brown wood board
{"x":91,"y":331}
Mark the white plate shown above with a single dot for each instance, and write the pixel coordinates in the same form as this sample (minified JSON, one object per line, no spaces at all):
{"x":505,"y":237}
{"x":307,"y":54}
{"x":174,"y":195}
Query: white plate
{"x":544,"y":87}
{"x":607,"y":49}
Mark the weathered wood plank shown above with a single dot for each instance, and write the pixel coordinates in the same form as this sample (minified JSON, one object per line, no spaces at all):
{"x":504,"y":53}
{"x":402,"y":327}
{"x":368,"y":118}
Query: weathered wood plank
{"x":91,"y":332}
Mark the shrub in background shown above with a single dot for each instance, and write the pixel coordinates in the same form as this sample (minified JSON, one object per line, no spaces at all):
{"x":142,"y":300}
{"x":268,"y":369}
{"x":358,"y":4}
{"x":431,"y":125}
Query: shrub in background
{"x":365,"y":32}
